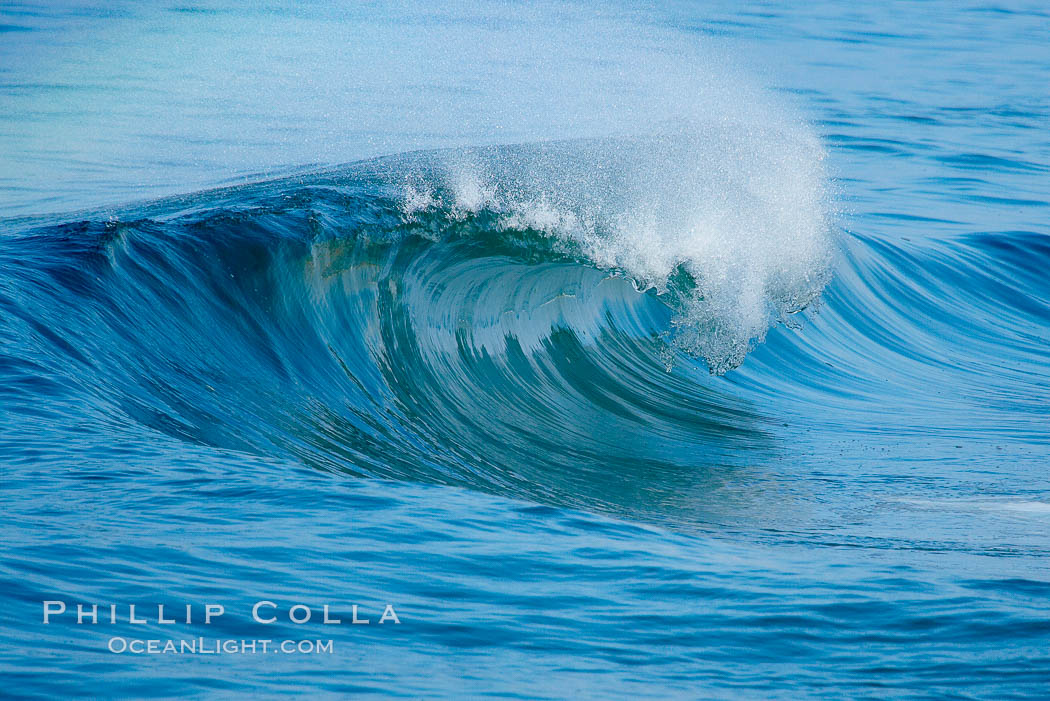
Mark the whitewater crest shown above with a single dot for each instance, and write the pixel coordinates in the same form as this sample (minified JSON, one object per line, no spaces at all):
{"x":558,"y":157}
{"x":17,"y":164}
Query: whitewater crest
{"x":728,"y":223}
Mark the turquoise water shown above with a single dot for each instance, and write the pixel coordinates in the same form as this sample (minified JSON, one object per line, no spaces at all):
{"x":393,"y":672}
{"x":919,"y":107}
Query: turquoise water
{"x":642,"y":352}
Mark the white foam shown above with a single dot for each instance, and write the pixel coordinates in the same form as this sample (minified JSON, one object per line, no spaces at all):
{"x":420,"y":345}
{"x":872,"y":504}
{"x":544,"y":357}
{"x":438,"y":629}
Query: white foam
{"x":739,"y":203}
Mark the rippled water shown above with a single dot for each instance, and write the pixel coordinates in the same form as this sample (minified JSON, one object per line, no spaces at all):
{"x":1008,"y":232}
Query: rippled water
{"x":662,"y":352}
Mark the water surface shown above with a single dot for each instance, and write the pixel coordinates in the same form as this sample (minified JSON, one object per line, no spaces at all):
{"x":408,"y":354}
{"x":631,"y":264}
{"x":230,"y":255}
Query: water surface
{"x":638,"y":352}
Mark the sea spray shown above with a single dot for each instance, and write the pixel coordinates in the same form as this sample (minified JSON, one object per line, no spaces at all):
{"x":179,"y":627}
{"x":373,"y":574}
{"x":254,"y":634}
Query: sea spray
{"x":729,"y":223}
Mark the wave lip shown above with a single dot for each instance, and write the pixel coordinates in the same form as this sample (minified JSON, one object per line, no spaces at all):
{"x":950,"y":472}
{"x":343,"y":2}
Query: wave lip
{"x":728,"y":224}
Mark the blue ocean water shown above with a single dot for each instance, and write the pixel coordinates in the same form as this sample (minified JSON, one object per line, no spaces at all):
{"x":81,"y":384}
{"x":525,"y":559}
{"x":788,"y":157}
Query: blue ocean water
{"x":643,"y":351}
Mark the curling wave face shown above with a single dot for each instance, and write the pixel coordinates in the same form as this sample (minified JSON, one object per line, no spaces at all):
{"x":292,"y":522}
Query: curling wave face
{"x":451,"y":317}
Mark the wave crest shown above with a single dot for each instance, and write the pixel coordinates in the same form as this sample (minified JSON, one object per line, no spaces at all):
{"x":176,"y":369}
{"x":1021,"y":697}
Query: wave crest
{"x":729,"y":225}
